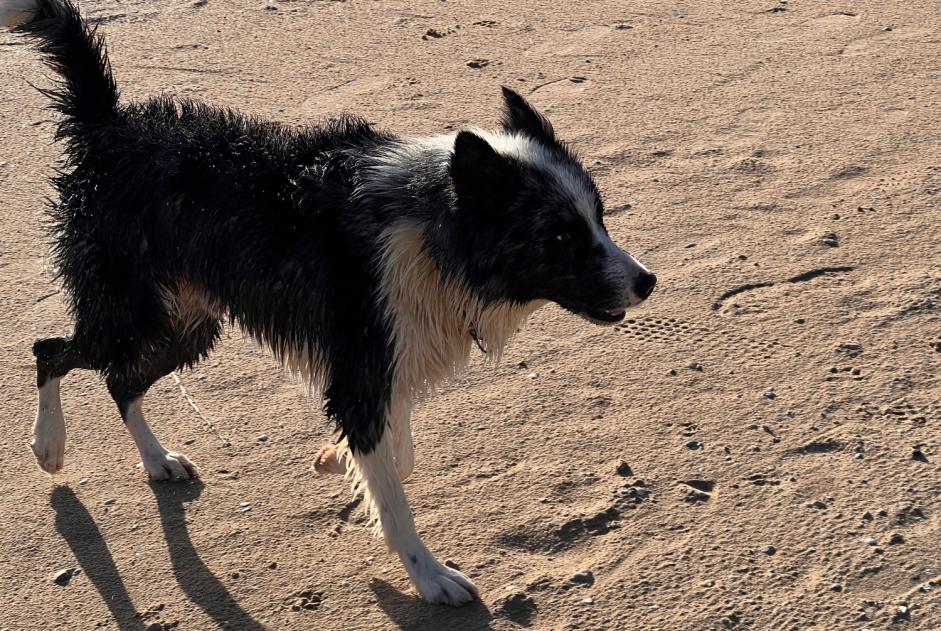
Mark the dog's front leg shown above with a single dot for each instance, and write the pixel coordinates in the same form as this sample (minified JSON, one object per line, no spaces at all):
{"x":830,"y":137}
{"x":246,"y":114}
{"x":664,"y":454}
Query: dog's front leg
{"x":400,"y":422}
{"x":386,"y":503}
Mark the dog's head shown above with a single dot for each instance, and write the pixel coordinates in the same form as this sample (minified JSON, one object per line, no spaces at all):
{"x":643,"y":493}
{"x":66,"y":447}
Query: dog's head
{"x":531,"y":221}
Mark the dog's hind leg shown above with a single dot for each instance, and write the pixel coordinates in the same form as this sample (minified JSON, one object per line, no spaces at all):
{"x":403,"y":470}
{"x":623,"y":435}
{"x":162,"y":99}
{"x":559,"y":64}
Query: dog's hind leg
{"x":128,"y":391}
{"x":128,"y":388}
{"x":55,"y":357}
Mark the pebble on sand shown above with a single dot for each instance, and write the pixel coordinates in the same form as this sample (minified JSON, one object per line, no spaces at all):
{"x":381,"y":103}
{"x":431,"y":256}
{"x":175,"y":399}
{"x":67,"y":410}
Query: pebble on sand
{"x":585,"y":577}
{"x":62,"y":577}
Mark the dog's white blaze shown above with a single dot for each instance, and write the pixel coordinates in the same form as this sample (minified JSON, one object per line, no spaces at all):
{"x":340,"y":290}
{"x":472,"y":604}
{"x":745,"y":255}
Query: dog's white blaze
{"x":16,"y":12}
{"x":159,"y":463}
{"x":48,"y":442}
{"x":536,"y":154}
{"x":388,"y":509}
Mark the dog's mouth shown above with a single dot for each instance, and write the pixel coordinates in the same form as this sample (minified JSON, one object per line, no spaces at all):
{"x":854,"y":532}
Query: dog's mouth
{"x":604,"y":317}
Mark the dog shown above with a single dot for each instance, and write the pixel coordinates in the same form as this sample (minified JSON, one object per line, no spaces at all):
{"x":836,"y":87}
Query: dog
{"x":369,"y":264}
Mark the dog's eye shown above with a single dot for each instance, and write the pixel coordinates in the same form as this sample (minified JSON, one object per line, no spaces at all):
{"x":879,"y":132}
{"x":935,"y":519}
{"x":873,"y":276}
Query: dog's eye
{"x":562,"y":237}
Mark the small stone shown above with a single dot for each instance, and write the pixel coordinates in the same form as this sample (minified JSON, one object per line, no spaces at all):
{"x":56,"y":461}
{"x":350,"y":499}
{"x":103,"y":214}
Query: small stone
{"x":108,"y":502}
{"x":244,"y":507}
{"x":896,"y":539}
{"x":800,"y":321}
{"x":624,"y":469}
{"x":588,"y":601}
{"x":867,"y":516}
{"x":533,"y":375}
{"x":770,"y":551}
{"x":62,"y":577}
{"x":672,"y":372}
{"x":584,"y":577}
{"x":770,"y":394}
{"x":83,"y":481}
{"x":344,"y":583}
{"x":818,"y":504}
{"x":919,"y":455}
{"x":522,"y":365}
{"x":154,"y":626}
{"x":886,"y":29}
{"x":855,"y":371}
{"x":273,"y":565}
{"x":261,"y":438}
{"x":694,"y":444}
{"x":236,"y":574}
{"x":478,"y":63}
{"x":451,"y":564}
{"x":695,"y":366}
{"x":836,"y":587}
{"x":902,"y":614}
{"x":870,"y":541}
{"x":830,"y":239}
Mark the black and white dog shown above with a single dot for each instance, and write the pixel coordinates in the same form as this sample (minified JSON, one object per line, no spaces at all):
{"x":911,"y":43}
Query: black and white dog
{"x":368,"y":263}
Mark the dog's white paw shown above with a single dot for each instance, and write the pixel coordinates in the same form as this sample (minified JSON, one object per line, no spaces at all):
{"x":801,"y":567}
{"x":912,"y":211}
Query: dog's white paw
{"x":327,"y":461}
{"x":169,"y":465}
{"x":49,"y":448}
{"x":440,"y":585}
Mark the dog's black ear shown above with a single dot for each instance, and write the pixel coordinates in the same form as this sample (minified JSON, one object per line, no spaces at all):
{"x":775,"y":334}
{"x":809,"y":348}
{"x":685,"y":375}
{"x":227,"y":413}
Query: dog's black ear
{"x":519,"y":115}
{"x":483,"y":179}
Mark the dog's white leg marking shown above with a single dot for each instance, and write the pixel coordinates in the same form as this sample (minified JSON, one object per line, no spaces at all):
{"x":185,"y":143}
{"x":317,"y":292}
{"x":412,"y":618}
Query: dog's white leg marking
{"x":159,"y":463}
{"x":49,"y":429}
{"x":386,"y":503}
{"x":404,"y":452}
{"x":401,"y":426}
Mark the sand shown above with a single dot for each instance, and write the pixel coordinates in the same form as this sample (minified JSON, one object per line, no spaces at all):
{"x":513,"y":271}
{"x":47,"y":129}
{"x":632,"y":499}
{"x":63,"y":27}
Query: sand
{"x":776,"y":403}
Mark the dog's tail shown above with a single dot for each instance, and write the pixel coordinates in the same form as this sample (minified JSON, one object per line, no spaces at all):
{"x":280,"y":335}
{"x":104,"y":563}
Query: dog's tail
{"x":87,"y":95}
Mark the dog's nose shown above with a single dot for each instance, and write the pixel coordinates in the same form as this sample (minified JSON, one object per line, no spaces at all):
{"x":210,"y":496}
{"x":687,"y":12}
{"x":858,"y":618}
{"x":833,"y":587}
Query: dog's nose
{"x":644,"y":284}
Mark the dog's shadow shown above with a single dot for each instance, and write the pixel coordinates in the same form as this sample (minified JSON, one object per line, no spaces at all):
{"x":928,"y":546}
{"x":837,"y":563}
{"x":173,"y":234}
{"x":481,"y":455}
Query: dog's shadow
{"x":411,"y":613}
{"x":200,"y":585}
{"x":195,"y":579}
{"x":80,"y":532}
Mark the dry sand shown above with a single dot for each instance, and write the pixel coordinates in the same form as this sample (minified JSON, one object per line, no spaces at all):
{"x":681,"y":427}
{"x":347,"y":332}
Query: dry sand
{"x":780,"y":171}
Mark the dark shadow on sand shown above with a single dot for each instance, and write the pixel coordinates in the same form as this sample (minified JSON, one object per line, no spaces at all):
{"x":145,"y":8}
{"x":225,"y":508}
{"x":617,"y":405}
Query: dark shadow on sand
{"x":79,"y":530}
{"x":198,"y":583}
{"x":411,"y":613}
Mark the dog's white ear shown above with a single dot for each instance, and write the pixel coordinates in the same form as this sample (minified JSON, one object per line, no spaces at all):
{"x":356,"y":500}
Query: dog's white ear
{"x":482,"y":177}
{"x":519,"y":115}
